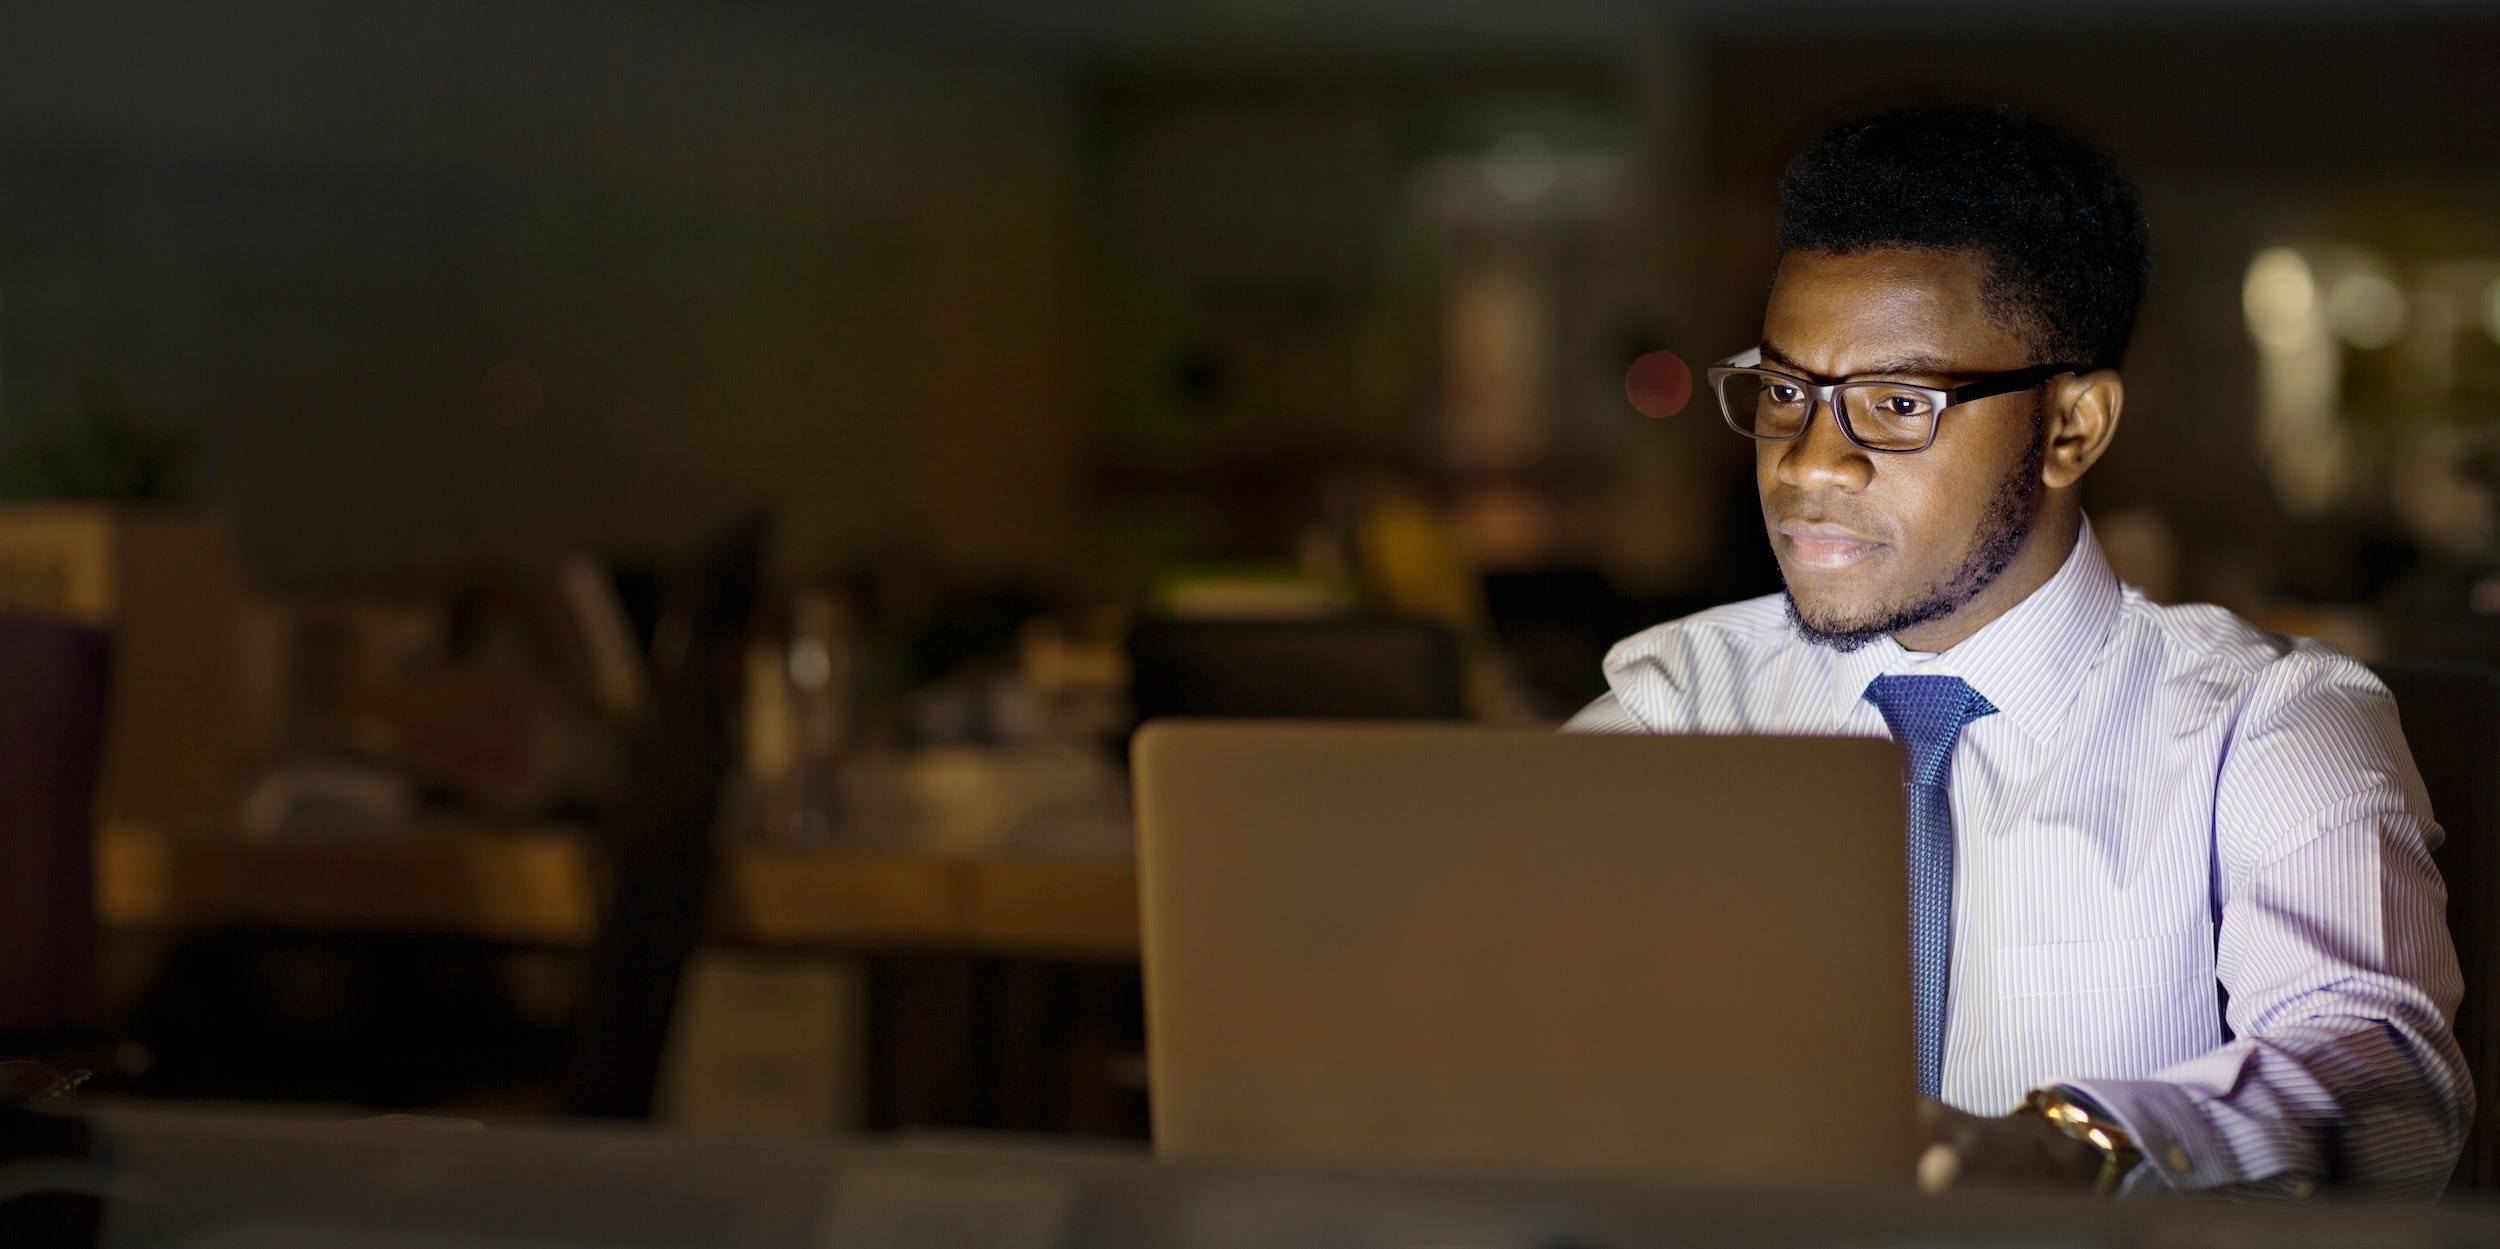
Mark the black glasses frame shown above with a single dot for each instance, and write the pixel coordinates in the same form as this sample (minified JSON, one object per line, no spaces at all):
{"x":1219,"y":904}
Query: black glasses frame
{"x":1827,"y":394}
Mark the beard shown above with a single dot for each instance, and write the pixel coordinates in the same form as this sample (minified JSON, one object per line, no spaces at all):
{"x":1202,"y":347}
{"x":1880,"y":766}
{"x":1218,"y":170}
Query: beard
{"x":2013,"y":509}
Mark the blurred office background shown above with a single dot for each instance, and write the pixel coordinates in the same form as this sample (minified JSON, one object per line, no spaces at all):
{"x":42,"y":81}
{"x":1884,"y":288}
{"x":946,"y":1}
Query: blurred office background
{"x":382,"y":379}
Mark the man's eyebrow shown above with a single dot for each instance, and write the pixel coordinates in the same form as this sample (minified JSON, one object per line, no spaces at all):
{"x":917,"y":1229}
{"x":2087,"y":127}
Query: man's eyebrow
{"x":1899,"y":366}
{"x":1772,"y":353}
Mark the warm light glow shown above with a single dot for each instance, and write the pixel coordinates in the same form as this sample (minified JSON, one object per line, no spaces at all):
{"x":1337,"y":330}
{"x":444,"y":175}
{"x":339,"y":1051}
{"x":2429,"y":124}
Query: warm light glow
{"x":2299,"y":367}
{"x":2485,"y":597}
{"x":1658,"y":384}
{"x":2491,"y":310}
{"x":2311,"y":469}
{"x":2366,"y":309}
{"x":2280,"y":299}
{"x":1522,"y":168}
{"x":810,"y":664}
{"x":2430,"y":343}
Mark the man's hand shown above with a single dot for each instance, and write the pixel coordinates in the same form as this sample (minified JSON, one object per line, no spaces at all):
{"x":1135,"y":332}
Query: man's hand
{"x":2020,"y":1150}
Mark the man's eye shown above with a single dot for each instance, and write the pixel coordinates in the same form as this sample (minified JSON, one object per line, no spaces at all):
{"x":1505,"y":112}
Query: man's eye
{"x":1902,"y":405}
{"x":1785,"y":396}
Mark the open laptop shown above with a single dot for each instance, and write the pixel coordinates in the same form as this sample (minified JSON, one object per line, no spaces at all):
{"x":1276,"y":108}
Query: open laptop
{"x":1527,"y":952}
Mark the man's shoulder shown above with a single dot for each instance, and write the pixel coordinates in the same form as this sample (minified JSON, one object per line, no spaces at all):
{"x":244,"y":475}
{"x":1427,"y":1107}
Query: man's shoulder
{"x":2257,"y":675}
{"x":2305,"y":736}
{"x":1732,"y":630}
{"x":1692,"y":675}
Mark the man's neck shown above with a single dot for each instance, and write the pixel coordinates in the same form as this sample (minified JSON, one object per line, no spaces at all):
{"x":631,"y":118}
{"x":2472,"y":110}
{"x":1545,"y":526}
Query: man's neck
{"x":2051,"y":540}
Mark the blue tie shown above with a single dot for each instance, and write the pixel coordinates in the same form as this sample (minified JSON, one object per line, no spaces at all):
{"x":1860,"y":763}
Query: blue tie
{"x":1926,"y":715}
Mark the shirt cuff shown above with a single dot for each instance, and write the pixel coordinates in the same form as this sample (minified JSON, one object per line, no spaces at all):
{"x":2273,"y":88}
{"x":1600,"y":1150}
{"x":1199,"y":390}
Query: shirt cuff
{"x":2182,"y":1148}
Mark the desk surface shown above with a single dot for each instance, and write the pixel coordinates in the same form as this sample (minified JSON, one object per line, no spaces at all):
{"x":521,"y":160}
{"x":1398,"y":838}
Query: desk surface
{"x":240,"y":1180}
{"x":535,"y":887}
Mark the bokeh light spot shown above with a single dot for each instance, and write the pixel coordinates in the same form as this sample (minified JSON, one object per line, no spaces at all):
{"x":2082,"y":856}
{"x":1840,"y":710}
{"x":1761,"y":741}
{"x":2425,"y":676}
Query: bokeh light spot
{"x":512,"y":393}
{"x":1658,"y":384}
{"x":2280,"y":298}
{"x":2366,"y":309}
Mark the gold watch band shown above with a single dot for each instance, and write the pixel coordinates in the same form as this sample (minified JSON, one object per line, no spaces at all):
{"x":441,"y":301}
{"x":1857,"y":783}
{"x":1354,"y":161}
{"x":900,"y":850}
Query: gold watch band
{"x":2119,"y":1154}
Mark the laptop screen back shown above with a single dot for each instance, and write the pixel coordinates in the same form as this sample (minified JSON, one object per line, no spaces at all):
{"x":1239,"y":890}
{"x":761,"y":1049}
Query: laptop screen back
{"x":1526,"y":952}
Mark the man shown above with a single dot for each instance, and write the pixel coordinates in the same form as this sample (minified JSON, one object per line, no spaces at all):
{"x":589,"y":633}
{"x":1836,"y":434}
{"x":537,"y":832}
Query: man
{"x":2174,"y":918}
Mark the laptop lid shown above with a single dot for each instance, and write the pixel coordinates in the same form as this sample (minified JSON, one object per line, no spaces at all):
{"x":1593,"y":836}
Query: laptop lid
{"x":1527,"y":952}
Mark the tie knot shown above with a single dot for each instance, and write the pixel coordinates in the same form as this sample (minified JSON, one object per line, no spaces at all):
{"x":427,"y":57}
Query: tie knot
{"x":1926,"y":715}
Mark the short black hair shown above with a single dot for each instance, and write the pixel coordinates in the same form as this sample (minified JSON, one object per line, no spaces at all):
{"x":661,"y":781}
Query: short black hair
{"x":2069,"y":254}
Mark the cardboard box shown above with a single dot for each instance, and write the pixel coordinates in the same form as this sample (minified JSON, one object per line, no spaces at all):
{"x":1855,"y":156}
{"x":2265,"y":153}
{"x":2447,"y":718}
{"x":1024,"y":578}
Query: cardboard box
{"x":163,"y":581}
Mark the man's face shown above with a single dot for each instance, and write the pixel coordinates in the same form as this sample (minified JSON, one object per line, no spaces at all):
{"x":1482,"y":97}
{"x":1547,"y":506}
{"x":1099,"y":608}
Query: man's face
{"x":1873,"y":544}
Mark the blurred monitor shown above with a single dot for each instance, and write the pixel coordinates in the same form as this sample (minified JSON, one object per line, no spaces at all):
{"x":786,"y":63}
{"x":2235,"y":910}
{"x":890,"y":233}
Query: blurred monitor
{"x":1525,"y":952}
{"x":1297,"y":669}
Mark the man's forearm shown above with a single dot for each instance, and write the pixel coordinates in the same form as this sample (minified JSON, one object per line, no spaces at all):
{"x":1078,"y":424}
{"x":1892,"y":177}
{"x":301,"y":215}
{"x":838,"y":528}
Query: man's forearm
{"x":2356,"y":1105}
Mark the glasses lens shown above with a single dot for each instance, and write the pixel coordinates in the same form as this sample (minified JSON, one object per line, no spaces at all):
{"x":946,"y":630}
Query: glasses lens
{"x":1765,"y":405}
{"x":1889,"y":418}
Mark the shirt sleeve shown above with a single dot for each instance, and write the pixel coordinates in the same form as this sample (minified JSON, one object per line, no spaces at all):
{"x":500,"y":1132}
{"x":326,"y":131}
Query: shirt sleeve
{"x":2332,"y":949}
{"x":1606,"y":715}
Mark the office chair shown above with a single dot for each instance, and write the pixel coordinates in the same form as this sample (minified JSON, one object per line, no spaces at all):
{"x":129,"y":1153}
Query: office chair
{"x":1297,"y":669}
{"x":2451,"y":715}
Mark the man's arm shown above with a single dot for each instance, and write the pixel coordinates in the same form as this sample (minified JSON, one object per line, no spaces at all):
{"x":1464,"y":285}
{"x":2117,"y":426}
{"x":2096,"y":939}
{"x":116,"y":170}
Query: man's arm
{"x":1606,"y":715}
{"x":2333,"y":949}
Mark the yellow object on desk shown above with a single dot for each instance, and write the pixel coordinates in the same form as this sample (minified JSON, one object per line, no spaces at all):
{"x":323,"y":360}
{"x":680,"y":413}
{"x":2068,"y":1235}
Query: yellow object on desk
{"x":484,"y":883}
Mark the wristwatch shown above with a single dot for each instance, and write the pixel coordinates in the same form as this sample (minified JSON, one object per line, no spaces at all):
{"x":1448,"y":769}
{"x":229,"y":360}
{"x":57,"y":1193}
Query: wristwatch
{"x":2078,"y":1121}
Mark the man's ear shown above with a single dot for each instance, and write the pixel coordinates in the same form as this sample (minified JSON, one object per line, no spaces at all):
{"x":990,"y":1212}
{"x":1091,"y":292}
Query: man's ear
{"x":2082,"y":413}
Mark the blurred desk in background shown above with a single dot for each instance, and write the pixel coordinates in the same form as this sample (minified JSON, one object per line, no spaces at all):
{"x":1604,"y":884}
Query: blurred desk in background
{"x":534,"y":887}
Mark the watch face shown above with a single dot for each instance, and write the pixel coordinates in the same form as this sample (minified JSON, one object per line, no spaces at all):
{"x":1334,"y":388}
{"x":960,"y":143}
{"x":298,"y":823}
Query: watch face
{"x":2118,"y":1152}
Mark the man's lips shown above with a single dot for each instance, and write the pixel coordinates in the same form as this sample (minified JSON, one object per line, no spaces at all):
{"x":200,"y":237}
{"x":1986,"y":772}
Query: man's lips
{"x":1814,"y":544}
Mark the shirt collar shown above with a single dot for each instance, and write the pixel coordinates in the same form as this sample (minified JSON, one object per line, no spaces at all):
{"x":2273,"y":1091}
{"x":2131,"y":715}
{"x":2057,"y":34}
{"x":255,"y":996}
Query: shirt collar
{"x":2028,"y":662}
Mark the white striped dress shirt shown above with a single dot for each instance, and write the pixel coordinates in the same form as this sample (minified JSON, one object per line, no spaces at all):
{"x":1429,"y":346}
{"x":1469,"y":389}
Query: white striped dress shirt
{"x":2192,"y":874}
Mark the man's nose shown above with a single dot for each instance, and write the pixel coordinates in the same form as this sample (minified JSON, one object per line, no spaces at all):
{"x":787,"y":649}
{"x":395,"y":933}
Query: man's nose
{"x":1822,"y":456}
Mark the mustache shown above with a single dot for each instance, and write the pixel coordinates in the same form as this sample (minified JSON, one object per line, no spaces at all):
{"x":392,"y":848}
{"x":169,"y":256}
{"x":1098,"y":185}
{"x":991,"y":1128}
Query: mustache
{"x":1821,"y":512}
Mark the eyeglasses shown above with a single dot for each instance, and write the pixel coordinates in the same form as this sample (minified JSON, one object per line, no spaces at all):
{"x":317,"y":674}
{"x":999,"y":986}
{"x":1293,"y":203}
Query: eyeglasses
{"x":1892,"y":417}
